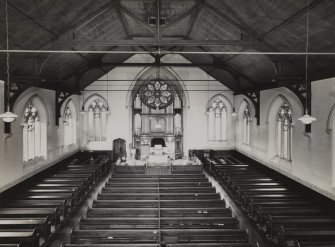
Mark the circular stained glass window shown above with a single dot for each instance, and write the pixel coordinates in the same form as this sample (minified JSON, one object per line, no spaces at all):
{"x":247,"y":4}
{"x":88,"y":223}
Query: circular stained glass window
{"x":156,"y":95}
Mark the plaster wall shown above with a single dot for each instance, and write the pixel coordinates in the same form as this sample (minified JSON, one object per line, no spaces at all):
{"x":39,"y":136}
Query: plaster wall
{"x":13,"y":169}
{"x":311,"y":162}
{"x":195,"y":126}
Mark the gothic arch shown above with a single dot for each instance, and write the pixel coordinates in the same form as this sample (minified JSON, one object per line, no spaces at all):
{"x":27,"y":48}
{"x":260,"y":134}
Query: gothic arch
{"x":224,"y":99}
{"x":148,"y":73}
{"x":279,"y":137}
{"x":244,"y":124}
{"x":69,"y":103}
{"x":243,"y":104}
{"x":93,"y":97}
{"x":34,"y":120}
{"x":275,"y":104}
{"x":40,"y":105}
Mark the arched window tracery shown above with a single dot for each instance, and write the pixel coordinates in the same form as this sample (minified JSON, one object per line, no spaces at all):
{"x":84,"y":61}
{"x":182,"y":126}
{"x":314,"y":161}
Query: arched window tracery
{"x":32,"y":133}
{"x":97,"y":119}
{"x":284,"y":132}
{"x":217,"y":121}
{"x":70,"y":135}
{"x":246,"y":125}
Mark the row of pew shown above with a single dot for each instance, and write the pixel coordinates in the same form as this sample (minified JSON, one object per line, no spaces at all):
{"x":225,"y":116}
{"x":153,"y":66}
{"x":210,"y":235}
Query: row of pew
{"x":286,"y":216}
{"x":172,"y":210}
{"x":30,"y":213}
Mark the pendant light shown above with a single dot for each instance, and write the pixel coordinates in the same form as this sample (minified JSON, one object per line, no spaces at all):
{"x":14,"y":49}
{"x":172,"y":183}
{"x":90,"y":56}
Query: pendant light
{"x":8,"y":116}
{"x":307,"y":119}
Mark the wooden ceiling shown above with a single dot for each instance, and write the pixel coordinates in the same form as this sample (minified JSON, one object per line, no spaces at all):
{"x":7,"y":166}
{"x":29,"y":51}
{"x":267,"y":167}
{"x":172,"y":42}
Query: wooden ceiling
{"x":191,"y":25}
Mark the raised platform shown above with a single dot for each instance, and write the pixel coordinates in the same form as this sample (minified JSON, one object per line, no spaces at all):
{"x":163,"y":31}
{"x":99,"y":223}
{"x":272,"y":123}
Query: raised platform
{"x":158,"y":170}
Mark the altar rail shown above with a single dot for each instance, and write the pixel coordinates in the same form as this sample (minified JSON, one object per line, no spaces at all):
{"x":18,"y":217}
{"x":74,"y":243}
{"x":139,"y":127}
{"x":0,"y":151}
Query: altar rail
{"x":158,"y":170}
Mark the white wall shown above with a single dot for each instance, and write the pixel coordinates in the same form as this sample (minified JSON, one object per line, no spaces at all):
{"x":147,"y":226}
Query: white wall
{"x":195,"y":118}
{"x":12,"y":168}
{"x":311,"y":153}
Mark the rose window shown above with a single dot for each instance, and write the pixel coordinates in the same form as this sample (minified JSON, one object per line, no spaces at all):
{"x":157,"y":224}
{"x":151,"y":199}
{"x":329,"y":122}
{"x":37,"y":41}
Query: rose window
{"x":157,"y":95}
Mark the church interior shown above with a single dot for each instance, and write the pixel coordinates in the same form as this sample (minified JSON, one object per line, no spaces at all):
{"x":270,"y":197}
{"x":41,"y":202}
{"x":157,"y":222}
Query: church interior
{"x":167,"y":123}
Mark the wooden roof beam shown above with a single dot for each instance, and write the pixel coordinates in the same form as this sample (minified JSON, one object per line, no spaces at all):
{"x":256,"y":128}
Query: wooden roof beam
{"x":164,"y":42}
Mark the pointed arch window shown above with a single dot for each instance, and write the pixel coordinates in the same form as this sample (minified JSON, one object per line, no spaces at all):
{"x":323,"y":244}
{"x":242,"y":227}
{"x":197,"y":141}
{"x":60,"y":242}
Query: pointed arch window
{"x":284,"y":132}
{"x":246,"y":125}
{"x":31,"y":133}
{"x":97,"y":119}
{"x":217,"y":121}
{"x":70,"y":135}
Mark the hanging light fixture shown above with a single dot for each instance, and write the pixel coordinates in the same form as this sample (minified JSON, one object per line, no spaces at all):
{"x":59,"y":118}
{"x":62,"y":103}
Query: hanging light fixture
{"x":307,"y":119}
{"x":8,"y":116}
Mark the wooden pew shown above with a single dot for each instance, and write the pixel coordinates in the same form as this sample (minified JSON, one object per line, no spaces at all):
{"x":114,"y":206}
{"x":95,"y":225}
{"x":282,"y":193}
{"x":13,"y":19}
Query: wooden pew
{"x":154,"y":212}
{"x":154,"y":203}
{"x":130,"y":236}
{"x":254,"y":207}
{"x":247,"y":197}
{"x":112,"y":184}
{"x":273,"y":223}
{"x":75,"y":194}
{"x":200,"y":223}
{"x":21,"y":203}
{"x":118,"y":223}
{"x":232,"y":184}
{"x":161,"y":190}
{"x":74,"y":175}
{"x":153,"y":196}
{"x":243,"y":190}
{"x":264,"y":213}
{"x":170,"y":236}
{"x":75,"y":181}
{"x":53,"y":213}
{"x":42,"y":224}
{"x":242,"y":184}
{"x":68,"y":197}
{"x":287,"y":236}
{"x":27,"y":237}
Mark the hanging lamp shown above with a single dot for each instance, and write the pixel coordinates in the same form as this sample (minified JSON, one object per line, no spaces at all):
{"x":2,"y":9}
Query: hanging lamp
{"x":8,"y":116}
{"x":307,"y":119}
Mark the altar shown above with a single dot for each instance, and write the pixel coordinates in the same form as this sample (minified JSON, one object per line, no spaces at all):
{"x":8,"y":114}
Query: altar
{"x":159,"y":155}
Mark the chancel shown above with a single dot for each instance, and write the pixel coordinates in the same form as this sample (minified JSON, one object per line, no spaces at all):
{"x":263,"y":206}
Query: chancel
{"x":167,"y":123}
